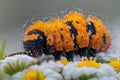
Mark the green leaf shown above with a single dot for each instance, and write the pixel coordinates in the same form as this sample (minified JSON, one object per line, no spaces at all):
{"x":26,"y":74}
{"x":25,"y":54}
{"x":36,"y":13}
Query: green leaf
{"x":8,"y":71}
{"x":2,"y":49}
{"x":38,"y":78}
{"x":101,"y":60}
{"x":12,"y":68}
{"x":1,"y":75}
{"x":84,"y":77}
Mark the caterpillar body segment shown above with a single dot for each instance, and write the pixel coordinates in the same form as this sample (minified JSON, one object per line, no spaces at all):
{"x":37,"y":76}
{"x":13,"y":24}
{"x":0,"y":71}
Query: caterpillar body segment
{"x":106,"y":41}
{"x":65,"y":37}
{"x":77,"y":23}
{"x":99,"y":37}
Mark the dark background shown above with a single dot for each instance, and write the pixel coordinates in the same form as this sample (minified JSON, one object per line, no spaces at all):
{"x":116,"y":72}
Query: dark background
{"x":14,"y":14}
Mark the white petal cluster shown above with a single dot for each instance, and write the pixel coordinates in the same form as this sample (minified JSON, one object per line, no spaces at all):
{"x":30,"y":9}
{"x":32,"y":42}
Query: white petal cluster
{"x":22,"y":58}
{"x":55,"y":66}
{"x":105,"y":78}
{"x":105,"y":70}
{"x":19,"y":75}
{"x":55,"y":70}
{"x":70,"y":71}
{"x":48,"y":73}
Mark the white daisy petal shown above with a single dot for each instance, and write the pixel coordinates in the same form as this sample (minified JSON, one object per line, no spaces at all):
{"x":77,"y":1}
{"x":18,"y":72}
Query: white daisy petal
{"x":47,"y":72}
{"x":55,"y":76}
{"x":105,"y":70}
{"x":22,"y":58}
{"x":19,"y":75}
{"x":107,"y":78}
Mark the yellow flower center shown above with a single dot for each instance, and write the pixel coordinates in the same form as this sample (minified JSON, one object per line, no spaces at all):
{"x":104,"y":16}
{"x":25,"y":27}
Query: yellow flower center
{"x":115,"y":64}
{"x":64,"y":61}
{"x":33,"y":75}
{"x":88,"y":63}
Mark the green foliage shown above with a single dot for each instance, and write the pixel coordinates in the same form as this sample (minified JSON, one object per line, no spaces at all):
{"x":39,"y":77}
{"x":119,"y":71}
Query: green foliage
{"x":84,"y":77}
{"x":1,"y":74}
{"x":1,"y":77}
{"x":2,"y":49}
{"x":101,"y":60}
{"x":12,"y":68}
{"x":38,"y":78}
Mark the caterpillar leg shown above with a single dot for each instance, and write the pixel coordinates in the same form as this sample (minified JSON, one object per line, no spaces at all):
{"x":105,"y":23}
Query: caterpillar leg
{"x":57,"y":55}
{"x":69,"y":55}
{"x":82,"y":52}
{"x":86,"y":52}
{"x":92,"y":52}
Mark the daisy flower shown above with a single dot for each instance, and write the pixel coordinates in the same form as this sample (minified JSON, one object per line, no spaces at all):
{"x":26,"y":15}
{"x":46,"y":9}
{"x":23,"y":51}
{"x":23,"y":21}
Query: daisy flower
{"x":37,"y":72}
{"x":64,"y":61}
{"x":87,"y":68}
{"x":88,"y":63}
{"x":12,"y":65}
{"x":22,"y":58}
{"x":33,"y":75}
{"x":115,"y":63}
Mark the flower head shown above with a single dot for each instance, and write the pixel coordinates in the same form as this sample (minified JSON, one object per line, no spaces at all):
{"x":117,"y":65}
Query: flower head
{"x":115,"y":63}
{"x":64,"y":61}
{"x":88,"y":63}
{"x":33,"y":75}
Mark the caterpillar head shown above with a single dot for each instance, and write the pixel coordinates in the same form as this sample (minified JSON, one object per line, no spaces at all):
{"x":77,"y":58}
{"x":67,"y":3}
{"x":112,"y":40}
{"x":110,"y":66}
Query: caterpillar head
{"x":34,"y":42}
{"x":34,"y":39}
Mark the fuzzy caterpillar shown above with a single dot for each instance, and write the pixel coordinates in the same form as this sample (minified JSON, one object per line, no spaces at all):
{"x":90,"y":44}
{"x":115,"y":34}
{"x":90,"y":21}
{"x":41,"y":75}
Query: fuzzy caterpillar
{"x":67,"y":36}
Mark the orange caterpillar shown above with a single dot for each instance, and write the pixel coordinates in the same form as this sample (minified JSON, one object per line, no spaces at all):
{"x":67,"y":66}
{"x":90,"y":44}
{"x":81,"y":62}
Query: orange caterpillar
{"x":73,"y":34}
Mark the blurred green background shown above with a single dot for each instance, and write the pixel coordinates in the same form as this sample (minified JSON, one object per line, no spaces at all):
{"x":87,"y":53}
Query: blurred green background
{"x":15,"y":13}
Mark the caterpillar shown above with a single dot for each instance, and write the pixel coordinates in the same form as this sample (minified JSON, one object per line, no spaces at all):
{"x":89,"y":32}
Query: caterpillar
{"x":73,"y":34}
